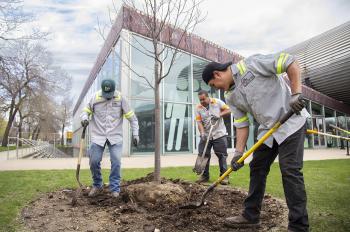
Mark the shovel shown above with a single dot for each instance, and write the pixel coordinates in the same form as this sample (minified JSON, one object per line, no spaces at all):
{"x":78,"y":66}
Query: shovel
{"x":77,"y":173}
{"x":202,"y":159}
{"x":246,"y":154}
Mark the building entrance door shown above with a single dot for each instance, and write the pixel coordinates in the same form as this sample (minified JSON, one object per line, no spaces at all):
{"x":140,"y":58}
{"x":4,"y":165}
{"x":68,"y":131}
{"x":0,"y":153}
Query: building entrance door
{"x":318,"y":123}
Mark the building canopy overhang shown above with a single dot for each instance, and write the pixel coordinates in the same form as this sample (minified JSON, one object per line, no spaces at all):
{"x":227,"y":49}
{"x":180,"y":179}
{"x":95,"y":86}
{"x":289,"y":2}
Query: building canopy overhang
{"x":190,"y":43}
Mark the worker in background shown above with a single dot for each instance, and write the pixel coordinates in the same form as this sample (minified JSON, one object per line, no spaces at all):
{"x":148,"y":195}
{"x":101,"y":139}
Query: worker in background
{"x":210,"y":112}
{"x":254,"y":85}
{"x":106,"y":109}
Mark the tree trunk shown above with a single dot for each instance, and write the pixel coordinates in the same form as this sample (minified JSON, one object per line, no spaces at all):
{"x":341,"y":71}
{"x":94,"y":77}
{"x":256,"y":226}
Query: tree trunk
{"x":37,"y":133}
{"x":62,"y":137}
{"x":20,"y":131}
{"x":32,"y":136}
{"x":8,"y":126}
{"x":157,"y":139}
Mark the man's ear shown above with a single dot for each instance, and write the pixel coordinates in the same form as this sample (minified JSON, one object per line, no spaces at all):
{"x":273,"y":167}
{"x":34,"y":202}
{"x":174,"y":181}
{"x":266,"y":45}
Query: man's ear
{"x":216,"y":74}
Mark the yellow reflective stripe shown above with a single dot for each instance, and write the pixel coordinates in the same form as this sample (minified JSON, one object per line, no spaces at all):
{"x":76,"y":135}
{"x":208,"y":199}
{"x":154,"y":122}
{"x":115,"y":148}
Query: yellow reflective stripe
{"x":243,"y":119}
{"x":240,"y":68}
{"x":281,"y":60}
{"x":118,"y":97}
{"x":129,"y":114}
{"x":243,"y":66}
{"x":98,"y":95}
{"x":87,"y":110}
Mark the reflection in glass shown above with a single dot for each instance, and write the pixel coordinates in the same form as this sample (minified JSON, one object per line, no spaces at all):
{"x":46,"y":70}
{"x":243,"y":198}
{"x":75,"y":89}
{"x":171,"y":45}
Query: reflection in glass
{"x":177,"y":128}
{"x":330,"y":120}
{"x":143,"y":65}
{"x":116,"y":65}
{"x":319,"y":140}
{"x":198,"y":83}
{"x":177,"y":83}
{"x":144,"y":111}
{"x":317,"y":122}
{"x":316,"y":109}
{"x":341,"y":122}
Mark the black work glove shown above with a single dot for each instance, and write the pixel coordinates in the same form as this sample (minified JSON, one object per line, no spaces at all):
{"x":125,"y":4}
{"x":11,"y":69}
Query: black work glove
{"x":135,"y":140}
{"x":296,"y":103}
{"x":236,"y":156}
{"x":85,"y":123}
{"x":204,"y":137}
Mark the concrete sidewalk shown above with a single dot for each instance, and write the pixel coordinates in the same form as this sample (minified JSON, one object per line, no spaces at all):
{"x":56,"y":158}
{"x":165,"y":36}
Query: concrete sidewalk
{"x":145,"y":161}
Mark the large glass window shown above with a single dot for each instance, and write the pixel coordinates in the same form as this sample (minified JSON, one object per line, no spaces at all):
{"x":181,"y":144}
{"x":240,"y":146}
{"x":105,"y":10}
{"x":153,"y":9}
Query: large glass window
{"x":177,"y":83}
{"x":116,"y":65}
{"x":142,"y":66}
{"x":198,"y":83}
{"x":341,"y":122}
{"x":177,"y":127}
{"x":316,"y":109}
{"x":144,"y":111}
{"x":330,"y":120}
{"x":318,"y":124}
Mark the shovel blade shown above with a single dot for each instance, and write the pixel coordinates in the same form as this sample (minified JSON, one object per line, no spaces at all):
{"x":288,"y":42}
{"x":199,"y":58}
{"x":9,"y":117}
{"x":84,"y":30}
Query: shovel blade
{"x":76,"y":196}
{"x":200,"y":164}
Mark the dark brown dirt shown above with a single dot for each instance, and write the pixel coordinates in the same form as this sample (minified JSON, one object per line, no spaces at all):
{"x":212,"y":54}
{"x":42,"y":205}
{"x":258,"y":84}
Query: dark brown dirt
{"x":155,"y":210}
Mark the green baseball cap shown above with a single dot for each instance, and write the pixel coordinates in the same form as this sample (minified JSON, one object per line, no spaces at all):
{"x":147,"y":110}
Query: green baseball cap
{"x":108,"y":88}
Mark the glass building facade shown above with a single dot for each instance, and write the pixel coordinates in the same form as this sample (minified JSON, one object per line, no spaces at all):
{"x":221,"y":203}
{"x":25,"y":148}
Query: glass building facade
{"x":130,"y":65}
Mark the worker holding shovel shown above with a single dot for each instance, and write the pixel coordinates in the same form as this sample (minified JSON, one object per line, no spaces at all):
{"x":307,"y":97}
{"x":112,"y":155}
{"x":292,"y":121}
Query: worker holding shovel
{"x":213,"y":133}
{"x":107,"y":108}
{"x":254,"y":86}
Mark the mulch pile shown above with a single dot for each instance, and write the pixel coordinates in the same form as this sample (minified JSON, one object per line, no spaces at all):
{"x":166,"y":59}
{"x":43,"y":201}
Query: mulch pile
{"x":142,"y":206}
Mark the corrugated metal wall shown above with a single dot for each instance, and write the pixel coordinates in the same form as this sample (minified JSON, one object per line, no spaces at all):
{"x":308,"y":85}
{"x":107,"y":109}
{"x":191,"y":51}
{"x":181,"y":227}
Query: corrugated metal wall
{"x":325,"y":62}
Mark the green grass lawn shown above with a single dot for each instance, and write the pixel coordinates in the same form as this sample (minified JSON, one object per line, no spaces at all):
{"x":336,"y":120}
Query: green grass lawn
{"x":5,"y":148}
{"x":10,"y":148}
{"x":327,"y":185}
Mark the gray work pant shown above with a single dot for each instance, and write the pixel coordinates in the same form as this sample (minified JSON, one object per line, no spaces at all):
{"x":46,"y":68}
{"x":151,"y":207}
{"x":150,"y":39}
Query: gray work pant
{"x":291,"y":152}
{"x":220,"y":148}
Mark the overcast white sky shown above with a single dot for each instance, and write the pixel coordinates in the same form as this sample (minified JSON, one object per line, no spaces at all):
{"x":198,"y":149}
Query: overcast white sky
{"x":246,"y":27}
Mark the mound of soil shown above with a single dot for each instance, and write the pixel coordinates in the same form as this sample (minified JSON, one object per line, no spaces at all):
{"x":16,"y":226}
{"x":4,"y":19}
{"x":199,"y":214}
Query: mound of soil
{"x":144,"y":206}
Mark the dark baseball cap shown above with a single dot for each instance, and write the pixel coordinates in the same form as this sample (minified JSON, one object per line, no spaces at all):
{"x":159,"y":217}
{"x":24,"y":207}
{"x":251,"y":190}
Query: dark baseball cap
{"x":207,"y":74}
{"x":108,"y":88}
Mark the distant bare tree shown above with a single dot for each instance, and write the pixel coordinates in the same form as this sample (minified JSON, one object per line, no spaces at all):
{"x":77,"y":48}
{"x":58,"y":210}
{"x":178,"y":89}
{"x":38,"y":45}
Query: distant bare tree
{"x":65,"y":105}
{"x":165,"y":21}
{"x":12,"y":18}
{"x":25,"y":71}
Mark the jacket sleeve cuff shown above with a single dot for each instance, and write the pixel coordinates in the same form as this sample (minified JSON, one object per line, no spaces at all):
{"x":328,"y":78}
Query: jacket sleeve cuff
{"x":241,"y":124}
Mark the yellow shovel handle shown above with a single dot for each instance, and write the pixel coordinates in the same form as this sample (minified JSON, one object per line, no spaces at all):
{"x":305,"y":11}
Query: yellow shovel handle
{"x":257,"y":144}
{"x":326,"y":134}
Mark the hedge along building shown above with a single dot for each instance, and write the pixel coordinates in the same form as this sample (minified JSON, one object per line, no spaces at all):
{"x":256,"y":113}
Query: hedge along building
{"x":122,"y":49}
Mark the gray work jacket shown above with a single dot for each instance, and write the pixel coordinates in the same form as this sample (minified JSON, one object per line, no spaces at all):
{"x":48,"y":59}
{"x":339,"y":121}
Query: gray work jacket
{"x":203,"y":116}
{"x":262,"y":92}
{"x":107,"y":118}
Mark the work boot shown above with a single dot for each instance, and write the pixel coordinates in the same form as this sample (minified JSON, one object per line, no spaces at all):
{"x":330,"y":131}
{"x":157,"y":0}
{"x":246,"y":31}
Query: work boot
{"x":240,"y":222}
{"x":225,"y":181}
{"x":115,"y":194}
{"x":202,"y":179}
{"x":94,"y":191}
